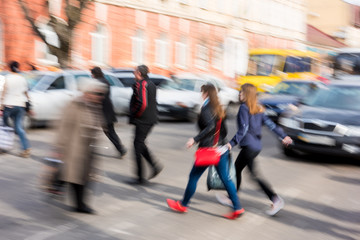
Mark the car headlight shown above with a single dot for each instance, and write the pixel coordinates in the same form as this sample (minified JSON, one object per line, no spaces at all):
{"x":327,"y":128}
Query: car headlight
{"x":289,"y":123}
{"x":350,"y":131}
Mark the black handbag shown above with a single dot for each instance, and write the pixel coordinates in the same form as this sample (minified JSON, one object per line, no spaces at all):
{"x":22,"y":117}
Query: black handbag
{"x":28,"y":106}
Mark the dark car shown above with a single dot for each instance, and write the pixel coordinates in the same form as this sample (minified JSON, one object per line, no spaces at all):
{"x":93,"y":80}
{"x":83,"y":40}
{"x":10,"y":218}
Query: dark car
{"x":328,"y":122}
{"x":286,"y":94}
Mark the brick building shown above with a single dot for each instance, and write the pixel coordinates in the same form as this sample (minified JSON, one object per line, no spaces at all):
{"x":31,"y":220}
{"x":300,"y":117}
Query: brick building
{"x":171,"y":36}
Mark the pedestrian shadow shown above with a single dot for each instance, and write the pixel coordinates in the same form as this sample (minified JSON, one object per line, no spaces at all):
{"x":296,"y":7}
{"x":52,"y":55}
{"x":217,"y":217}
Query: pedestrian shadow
{"x":154,"y":194}
{"x":306,"y":223}
{"x":323,"y":209}
{"x":319,"y":159}
{"x":355,"y":181}
{"x":309,"y":224}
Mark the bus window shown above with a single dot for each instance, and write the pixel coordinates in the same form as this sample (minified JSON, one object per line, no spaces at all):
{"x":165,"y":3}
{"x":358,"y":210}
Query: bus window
{"x":261,"y":65}
{"x":297,"y":64}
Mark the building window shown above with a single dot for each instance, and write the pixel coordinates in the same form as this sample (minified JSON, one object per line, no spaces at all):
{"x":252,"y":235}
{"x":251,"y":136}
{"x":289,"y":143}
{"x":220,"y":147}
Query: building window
{"x":181,"y":53}
{"x":43,"y":54}
{"x":138,"y":47}
{"x":217,"y":57}
{"x":55,"y":7}
{"x":162,"y":50}
{"x":202,"y":56}
{"x":99,"y":43}
{"x":235,"y":57}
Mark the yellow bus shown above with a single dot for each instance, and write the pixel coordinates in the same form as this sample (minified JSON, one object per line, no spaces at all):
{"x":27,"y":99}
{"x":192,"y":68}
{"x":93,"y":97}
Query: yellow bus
{"x":268,"y":67}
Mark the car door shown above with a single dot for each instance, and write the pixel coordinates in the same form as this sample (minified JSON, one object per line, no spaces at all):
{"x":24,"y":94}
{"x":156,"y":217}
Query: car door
{"x":58,"y":92}
{"x":120,"y":95}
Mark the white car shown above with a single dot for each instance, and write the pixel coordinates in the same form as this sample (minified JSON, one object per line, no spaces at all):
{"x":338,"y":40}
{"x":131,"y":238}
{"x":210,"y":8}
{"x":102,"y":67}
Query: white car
{"x":229,"y":98}
{"x":172,"y":101}
{"x":50,"y":92}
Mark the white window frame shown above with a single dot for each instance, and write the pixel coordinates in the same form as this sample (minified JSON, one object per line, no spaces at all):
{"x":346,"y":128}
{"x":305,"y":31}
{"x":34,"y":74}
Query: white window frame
{"x":181,"y":54}
{"x":162,"y":51}
{"x":138,"y":47}
{"x":99,"y":45}
{"x":55,"y":7}
{"x":218,"y":60}
{"x":42,"y":51}
{"x":202,"y":57}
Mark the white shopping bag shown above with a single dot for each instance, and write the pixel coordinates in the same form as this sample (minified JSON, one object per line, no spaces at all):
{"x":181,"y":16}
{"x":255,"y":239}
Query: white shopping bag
{"x":6,"y":138}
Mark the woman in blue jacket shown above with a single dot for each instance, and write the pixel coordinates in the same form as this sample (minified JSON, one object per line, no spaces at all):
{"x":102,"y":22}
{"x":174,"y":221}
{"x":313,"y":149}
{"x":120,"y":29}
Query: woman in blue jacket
{"x":250,"y":119}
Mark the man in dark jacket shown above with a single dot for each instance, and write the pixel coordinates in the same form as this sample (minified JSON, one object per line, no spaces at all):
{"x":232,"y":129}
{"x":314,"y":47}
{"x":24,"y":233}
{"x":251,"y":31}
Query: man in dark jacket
{"x":143,"y":114}
{"x":109,"y":113}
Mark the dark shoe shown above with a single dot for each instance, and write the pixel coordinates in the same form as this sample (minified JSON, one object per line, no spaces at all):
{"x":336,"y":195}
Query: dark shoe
{"x":176,"y":206}
{"x":123,"y":153}
{"x":142,"y":182}
{"x":85,"y":209}
{"x":234,"y":215}
{"x":157,"y":169}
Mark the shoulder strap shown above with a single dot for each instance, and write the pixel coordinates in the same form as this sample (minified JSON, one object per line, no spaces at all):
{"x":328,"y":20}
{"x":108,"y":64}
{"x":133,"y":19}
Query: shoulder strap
{"x":217,"y":132}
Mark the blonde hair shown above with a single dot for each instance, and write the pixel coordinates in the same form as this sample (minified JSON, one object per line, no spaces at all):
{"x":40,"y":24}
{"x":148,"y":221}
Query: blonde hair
{"x":210,"y":90}
{"x":250,"y":97}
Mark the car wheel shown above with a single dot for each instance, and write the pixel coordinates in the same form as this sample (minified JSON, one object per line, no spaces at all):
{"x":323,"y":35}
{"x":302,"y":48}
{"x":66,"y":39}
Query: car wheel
{"x":28,"y":122}
{"x":289,"y":152}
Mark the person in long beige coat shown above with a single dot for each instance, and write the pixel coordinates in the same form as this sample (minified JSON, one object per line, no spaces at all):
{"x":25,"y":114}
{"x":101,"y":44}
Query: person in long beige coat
{"x":77,"y":133}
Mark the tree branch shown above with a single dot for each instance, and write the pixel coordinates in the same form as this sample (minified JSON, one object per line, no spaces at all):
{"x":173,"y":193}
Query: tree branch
{"x":31,"y":21}
{"x":73,"y":13}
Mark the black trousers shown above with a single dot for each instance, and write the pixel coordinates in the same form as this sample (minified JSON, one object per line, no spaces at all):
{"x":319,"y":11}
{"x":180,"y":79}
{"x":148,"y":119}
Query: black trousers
{"x":78,"y":195}
{"x":141,"y":150}
{"x":113,"y":137}
{"x":245,"y":158}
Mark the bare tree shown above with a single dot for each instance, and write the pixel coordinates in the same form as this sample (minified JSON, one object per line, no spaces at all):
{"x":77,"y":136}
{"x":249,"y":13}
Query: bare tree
{"x":64,"y":28}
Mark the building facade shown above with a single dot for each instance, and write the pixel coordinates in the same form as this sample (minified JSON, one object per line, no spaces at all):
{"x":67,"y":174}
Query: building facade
{"x":338,"y":19}
{"x":170,"y":36}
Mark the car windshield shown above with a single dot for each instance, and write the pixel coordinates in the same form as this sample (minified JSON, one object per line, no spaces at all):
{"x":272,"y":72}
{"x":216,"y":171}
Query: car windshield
{"x":299,"y":89}
{"x":338,"y":97}
{"x":187,"y":84}
{"x":33,"y":80}
{"x":167,"y":84}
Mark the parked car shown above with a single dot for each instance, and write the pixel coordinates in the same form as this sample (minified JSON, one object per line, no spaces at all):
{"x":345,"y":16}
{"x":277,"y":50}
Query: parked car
{"x":2,"y":80}
{"x":128,"y":78}
{"x":122,"y":70}
{"x":328,"y":123}
{"x":177,"y":103}
{"x":172,"y":101}
{"x":51,"y":91}
{"x":229,"y":98}
{"x":287,"y":94}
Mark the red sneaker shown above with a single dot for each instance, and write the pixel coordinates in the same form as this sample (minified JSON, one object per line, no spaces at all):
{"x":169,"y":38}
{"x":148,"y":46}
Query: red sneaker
{"x":234,"y":215}
{"x":176,"y":205}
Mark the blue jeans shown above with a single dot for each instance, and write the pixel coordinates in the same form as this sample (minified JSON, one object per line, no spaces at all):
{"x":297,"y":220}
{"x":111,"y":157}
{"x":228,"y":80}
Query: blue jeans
{"x":222,"y":169}
{"x":17,"y":115}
